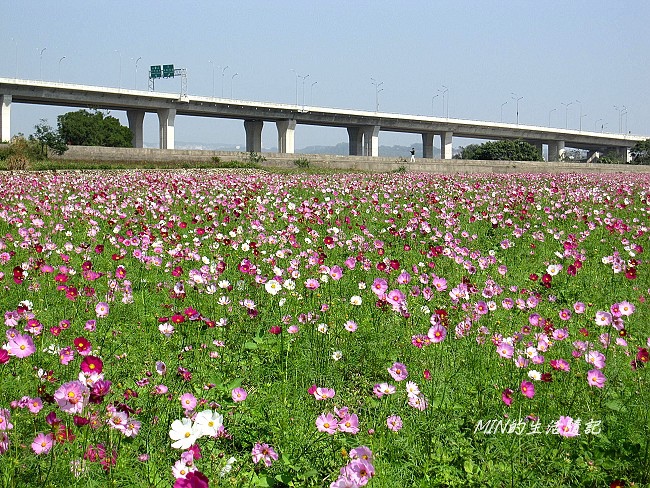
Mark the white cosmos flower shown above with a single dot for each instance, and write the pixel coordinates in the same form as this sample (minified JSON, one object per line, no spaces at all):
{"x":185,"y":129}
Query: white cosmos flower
{"x":356,"y":300}
{"x":322,"y":328}
{"x":208,"y":422}
{"x":289,"y":285}
{"x":336,"y":355}
{"x":272,"y":287}
{"x":183,"y":434}
{"x":534,"y":375}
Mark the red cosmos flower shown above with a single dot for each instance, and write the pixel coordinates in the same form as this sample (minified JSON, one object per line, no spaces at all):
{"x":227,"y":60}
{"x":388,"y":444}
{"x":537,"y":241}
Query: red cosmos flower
{"x":506,"y":396}
{"x":177,"y":271}
{"x":87,"y":265}
{"x":193,"y":479}
{"x":82,"y":345}
{"x":643,"y":355}
{"x":61,"y":278}
{"x":617,"y":484}
{"x":63,"y":433}
{"x":533,"y":277}
{"x":546,"y":280}
{"x":177,"y":318}
{"x":381,"y":266}
{"x":92,"y":364}
{"x":275,"y":330}
{"x":328,"y":240}
{"x":630,"y":273}
{"x":19,"y":276}
{"x":394,"y":263}
{"x":4,"y":356}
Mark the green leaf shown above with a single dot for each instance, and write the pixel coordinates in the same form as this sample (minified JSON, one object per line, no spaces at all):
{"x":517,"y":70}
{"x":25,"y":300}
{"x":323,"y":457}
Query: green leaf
{"x":250,"y":345}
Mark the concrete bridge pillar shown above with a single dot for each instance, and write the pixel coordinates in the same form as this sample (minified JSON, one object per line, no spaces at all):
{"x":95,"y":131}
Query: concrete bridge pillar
{"x":371,"y":140}
{"x":5,"y":118}
{"x":555,"y":150}
{"x":286,"y":136}
{"x":136,"y":121}
{"x":355,"y":139}
{"x":427,"y":145}
{"x":166,"y":118}
{"x":253,"y":135}
{"x":624,"y":152}
{"x":446,"y":144}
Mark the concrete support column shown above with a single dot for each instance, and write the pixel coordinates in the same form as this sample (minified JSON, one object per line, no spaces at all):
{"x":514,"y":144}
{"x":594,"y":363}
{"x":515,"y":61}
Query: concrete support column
{"x":253,"y":135}
{"x":136,"y":121}
{"x":286,"y":136}
{"x":371,"y":141}
{"x":166,"y":118}
{"x":355,"y":139}
{"x":427,"y":145}
{"x":538,"y":146}
{"x":5,"y":118}
{"x":446,"y":145}
{"x":555,"y":150}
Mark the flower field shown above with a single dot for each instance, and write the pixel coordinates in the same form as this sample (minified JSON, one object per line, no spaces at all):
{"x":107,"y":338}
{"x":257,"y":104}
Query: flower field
{"x":193,"y":328}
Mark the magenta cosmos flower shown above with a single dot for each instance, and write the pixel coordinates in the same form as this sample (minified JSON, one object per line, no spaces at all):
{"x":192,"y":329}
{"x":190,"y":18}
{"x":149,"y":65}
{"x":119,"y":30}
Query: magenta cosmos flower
{"x":527,"y":389}
{"x":398,"y":371}
{"x":21,"y":346}
{"x":72,"y":397}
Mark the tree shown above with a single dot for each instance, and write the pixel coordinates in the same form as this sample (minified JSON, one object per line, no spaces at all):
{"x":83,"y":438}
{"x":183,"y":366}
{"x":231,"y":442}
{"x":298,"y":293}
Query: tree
{"x":84,"y":128}
{"x":506,"y":150}
{"x":641,"y":152}
{"x":47,"y":138}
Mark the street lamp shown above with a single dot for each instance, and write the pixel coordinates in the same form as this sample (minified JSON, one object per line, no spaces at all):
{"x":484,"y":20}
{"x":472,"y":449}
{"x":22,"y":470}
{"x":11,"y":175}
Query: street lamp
{"x":514,"y":97}
{"x":432,"y":99}
{"x":311,"y":92}
{"x":549,"y":116}
{"x":580,"y":123}
{"x":377,"y":90}
{"x":41,"y":63}
{"x":119,"y":85}
{"x":445,"y":95}
{"x":135,"y":79}
{"x":212,"y":64}
{"x":296,"y":75}
{"x":231,"y":83}
{"x":566,"y":113}
{"x":596,"y":125}
{"x":62,"y":58}
{"x":303,"y":89}
{"x":223,"y":72}
{"x":504,"y":103}
{"x":621,"y":112}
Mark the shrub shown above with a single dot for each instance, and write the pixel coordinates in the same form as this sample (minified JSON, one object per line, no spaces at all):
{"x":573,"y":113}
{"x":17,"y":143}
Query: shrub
{"x":255,"y":158}
{"x":301,"y":163}
{"x":17,"y":162}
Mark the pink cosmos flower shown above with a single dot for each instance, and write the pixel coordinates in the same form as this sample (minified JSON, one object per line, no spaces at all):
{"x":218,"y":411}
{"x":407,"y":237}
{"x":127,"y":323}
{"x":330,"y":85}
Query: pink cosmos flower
{"x":596,"y":358}
{"x":527,"y":389}
{"x":327,"y":423}
{"x":359,"y":471}
{"x":398,"y":371}
{"x":324,"y":393}
{"x":312,"y":284}
{"x":349,"y":423}
{"x":42,"y":443}
{"x":579,"y":307}
{"x":505,"y":350}
{"x":72,"y":397}
{"x":381,"y":389}
{"x":596,"y":378}
{"x":418,"y":402}
{"x":379,"y":287}
{"x":5,"y":415}
{"x":188,"y":401}
{"x":566,"y":427}
{"x":21,"y":346}
{"x":239,"y":395}
{"x":264,"y":452}
{"x":394,"y":423}
{"x":102,"y":309}
{"x":437,"y":333}
{"x":35,"y":405}
{"x":560,"y":365}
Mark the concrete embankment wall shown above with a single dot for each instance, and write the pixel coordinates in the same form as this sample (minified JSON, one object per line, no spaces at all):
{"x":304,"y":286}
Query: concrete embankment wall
{"x":363,"y":163}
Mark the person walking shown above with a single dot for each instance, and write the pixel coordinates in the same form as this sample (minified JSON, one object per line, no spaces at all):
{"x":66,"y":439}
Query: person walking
{"x":413,"y":155}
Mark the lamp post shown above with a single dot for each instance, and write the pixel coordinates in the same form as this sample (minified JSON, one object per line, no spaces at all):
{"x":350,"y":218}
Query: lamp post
{"x":377,"y":90}
{"x":566,"y":113}
{"x":119,"y":84}
{"x":231,"y":83}
{"x":223,"y":72}
{"x":504,"y":103}
{"x":580,"y":122}
{"x":40,"y":67}
{"x":433,"y":112}
{"x":445,"y":96}
{"x":212,"y":64}
{"x":596,"y":125}
{"x":303,"y":89}
{"x":297,"y":76}
{"x":514,"y":97}
{"x":621,"y":111}
{"x":62,"y":58}
{"x":311,"y":92}
{"x":549,"y":116}
{"x":135,"y":78}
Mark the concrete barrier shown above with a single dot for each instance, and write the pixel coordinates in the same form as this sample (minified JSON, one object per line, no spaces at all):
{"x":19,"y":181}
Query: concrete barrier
{"x":359,"y":163}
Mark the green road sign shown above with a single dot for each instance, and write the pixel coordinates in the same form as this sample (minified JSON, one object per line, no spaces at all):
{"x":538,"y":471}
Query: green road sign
{"x":168,"y":70}
{"x":155,"y":72}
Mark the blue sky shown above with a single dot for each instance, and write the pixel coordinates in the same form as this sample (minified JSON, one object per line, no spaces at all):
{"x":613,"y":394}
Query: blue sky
{"x":591,"y":54}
